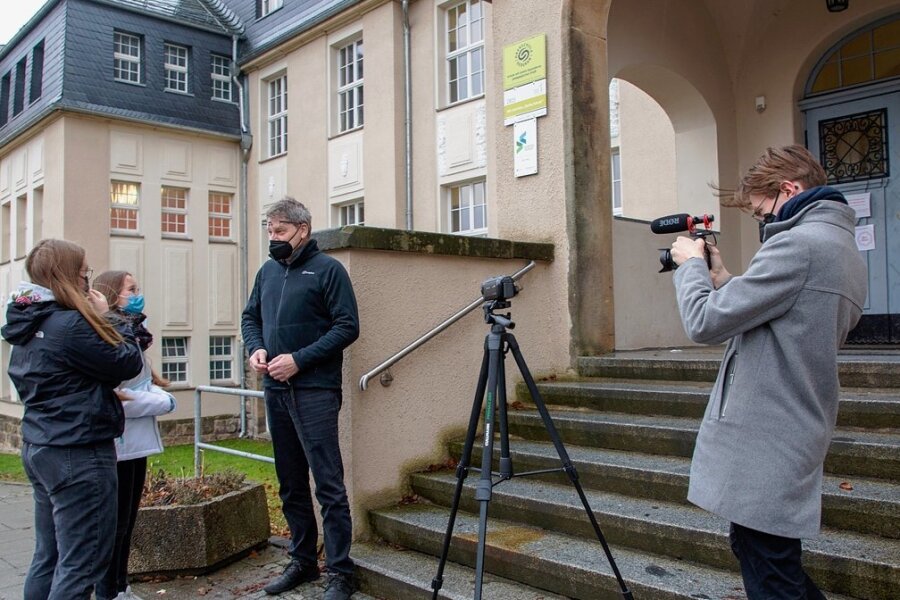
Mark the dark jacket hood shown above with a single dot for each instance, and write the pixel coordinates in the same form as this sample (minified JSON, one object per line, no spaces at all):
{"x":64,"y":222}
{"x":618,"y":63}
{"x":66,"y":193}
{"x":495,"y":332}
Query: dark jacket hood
{"x":29,"y":305}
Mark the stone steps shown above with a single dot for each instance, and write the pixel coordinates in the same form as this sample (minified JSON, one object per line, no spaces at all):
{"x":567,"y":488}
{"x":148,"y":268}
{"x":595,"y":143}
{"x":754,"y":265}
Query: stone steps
{"x":839,"y":561}
{"x":629,"y":425}
{"x":401,"y":574}
{"x":859,"y":407}
{"x":854,"y":451}
{"x":868,"y":506}
{"x":566,"y":565}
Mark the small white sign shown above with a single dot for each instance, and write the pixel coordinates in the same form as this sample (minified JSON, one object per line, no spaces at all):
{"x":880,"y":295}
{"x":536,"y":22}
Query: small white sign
{"x":861,"y":203}
{"x":865,"y":238}
{"x":525,"y":147}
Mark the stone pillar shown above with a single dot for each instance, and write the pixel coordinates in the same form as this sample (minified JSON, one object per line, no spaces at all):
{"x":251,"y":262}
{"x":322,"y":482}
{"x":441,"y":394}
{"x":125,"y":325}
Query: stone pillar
{"x":568,"y":203}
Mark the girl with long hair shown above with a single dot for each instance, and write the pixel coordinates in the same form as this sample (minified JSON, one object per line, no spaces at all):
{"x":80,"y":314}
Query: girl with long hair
{"x":66,"y":362}
{"x":144,"y":400}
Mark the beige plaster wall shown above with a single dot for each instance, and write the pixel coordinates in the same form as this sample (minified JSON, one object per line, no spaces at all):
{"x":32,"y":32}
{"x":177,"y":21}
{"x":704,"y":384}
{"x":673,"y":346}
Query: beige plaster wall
{"x":70,"y":162}
{"x":388,"y":432}
{"x":647,"y":315}
{"x":647,"y":150}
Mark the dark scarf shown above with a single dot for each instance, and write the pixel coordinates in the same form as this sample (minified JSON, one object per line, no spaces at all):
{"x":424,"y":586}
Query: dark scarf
{"x":807,"y":197}
{"x":144,"y":338}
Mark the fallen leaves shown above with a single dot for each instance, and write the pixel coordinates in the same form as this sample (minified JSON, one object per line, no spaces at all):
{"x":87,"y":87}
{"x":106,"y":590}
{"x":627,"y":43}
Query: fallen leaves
{"x":846,"y":486}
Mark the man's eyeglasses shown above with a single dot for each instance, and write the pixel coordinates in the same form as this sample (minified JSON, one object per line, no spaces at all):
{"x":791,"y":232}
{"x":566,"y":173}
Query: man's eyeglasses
{"x":89,"y":273}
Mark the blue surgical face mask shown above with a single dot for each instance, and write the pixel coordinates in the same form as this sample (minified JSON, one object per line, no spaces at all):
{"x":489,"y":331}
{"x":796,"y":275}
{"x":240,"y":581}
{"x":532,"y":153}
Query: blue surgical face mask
{"x":135,"y":304}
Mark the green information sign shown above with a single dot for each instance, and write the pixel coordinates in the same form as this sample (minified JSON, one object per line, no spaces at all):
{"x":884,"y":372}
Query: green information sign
{"x":525,"y":79}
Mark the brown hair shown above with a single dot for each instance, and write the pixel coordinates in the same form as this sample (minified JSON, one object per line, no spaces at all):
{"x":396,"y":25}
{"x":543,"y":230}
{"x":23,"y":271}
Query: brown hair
{"x":56,"y":264}
{"x":787,"y":163}
{"x":109,"y":283}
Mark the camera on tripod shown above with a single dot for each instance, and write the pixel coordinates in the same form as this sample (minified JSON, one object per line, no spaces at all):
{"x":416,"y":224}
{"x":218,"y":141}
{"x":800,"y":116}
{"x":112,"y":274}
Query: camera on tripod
{"x":499,"y":288}
{"x":684,"y":222}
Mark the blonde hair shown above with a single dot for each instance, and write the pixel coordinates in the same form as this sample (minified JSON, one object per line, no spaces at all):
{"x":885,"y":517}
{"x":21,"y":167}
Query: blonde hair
{"x":56,"y":264}
{"x":787,"y":163}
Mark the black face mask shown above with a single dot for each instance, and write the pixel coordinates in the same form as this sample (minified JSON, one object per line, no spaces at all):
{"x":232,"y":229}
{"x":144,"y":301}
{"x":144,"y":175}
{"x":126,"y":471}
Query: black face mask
{"x":766,"y":219}
{"x":282,"y":249}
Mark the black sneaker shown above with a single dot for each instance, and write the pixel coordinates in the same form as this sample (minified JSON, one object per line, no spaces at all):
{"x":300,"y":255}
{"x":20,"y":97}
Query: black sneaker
{"x":294,"y":574}
{"x":340,"y":587}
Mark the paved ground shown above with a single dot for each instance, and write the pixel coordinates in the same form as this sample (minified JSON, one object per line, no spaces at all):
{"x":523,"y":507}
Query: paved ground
{"x":243,"y":579}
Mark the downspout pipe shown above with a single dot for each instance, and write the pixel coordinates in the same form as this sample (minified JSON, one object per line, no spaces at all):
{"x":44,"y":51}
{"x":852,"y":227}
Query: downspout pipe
{"x":407,"y":117}
{"x":243,"y":201}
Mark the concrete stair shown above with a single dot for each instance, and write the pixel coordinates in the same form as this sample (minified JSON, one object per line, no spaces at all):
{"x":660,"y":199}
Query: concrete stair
{"x":629,"y":423}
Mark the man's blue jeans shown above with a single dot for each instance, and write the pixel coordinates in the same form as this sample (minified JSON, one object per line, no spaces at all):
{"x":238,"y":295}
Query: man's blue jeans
{"x":74,"y":518}
{"x":304,"y":429}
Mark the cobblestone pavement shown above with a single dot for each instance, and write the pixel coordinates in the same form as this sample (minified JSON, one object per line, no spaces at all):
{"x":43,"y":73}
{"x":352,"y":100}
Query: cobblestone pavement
{"x":243,"y":579}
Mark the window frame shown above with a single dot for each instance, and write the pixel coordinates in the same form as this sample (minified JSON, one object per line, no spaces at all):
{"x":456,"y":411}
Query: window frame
{"x":227,"y":218}
{"x":221,"y":81}
{"x":358,"y":207}
{"x":615,"y":175}
{"x":125,"y":206}
{"x":36,"y":85}
{"x":166,"y":361}
{"x":463,"y":52}
{"x":277,"y":121}
{"x":175,"y":72}
{"x":267,"y":7}
{"x":471,"y":231}
{"x":165,"y":211}
{"x":222,"y":358}
{"x":120,"y":58}
{"x":350,"y":114}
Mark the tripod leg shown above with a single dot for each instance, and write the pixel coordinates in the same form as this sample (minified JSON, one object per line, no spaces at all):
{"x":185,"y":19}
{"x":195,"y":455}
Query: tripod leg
{"x":462,"y":471}
{"x":506,"y":466}
{"x":564,"y":456}
{"x":485,"y":483}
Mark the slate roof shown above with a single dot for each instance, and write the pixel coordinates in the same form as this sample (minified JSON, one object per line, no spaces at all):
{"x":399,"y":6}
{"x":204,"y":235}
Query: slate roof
{"x":207,"y":14}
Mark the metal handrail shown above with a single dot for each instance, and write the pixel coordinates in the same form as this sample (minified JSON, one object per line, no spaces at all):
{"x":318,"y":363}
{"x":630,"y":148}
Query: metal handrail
{"x":198,"y":424}
{"x":364,"y":380}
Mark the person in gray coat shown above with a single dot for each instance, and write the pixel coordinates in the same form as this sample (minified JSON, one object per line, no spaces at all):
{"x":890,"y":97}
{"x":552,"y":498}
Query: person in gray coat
{"x":760,"y":450}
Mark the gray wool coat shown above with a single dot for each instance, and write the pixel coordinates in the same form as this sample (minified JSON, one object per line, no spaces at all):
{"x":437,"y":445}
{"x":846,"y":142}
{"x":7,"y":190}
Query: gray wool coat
{"x":768,"y":424}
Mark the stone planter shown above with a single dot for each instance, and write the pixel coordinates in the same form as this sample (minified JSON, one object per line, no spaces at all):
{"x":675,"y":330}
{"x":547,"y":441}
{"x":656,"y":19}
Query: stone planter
{"x":191,"y":540}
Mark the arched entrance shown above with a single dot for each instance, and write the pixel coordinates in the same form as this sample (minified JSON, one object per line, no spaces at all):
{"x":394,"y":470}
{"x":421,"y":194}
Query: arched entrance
{"x":852,"y":117}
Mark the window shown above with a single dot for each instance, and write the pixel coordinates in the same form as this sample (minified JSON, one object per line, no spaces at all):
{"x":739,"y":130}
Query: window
{"x":277,"y":116}
{"x":465,"y":50}
{"x":37,"y":71}
{"x":4,"y":98}
{"x":352,"y":214}
{"x":5,"y":230}
{"x":220,"y":215}
{"x":264,"y":7}
{"x":19,"y":94}
{"x":468,"y":213}
{"x":616,"y":181}
{"x":221,"y":77}
{"x":174,"y":210}
{"x":126,"y":57}
{"x":175,"y":359}
{"x":350,"y":86}
{"x":21,"y":226}
{"x":864,"y":57}
{"x":221,"y":358}
{"x":176,"y":65}
{"x":124,"y":199}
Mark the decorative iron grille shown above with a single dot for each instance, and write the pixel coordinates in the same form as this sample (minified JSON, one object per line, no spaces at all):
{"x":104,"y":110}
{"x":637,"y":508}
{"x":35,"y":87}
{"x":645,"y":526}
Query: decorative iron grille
{"x":855,"y":147}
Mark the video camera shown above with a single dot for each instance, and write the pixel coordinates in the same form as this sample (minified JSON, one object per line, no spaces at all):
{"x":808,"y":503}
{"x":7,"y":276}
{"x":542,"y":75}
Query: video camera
{"x":683,"y":222}
{"x":499,"y":288}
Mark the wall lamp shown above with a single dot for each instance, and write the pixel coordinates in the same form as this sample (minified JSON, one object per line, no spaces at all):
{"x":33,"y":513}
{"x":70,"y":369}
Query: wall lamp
{"x":836,"y":5}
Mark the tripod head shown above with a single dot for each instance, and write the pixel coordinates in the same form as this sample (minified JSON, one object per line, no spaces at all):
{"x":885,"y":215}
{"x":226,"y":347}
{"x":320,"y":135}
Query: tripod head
{"x":504,"y":321}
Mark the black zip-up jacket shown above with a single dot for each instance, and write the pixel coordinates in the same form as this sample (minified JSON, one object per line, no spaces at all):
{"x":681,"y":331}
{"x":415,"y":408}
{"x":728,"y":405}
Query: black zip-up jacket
{"x":65,"y":374}
{"x":304,"y":307}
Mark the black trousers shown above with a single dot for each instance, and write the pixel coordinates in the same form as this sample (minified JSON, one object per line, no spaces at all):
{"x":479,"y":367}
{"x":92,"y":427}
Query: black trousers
{"x":771,"y":566}
{"x":132,"y":474}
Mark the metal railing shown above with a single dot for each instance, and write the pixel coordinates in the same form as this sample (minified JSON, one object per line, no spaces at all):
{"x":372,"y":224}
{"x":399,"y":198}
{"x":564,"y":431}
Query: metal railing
{"x":198,"y":425}
{"x":364,"y":380}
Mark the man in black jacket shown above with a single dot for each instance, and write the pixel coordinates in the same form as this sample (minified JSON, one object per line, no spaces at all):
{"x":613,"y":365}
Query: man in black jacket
{"x":300,"y":316}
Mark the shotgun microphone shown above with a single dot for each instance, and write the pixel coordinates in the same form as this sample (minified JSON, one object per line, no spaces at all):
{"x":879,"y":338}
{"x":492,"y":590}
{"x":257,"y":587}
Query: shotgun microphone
{"x":679,"y":222}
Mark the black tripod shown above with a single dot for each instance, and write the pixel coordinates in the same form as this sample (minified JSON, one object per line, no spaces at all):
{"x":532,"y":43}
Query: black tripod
{"x":493,"y":380}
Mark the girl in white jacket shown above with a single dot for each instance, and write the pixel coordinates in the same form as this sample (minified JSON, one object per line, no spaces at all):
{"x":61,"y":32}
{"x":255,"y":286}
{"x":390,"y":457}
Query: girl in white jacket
{"x":143,"y":399}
